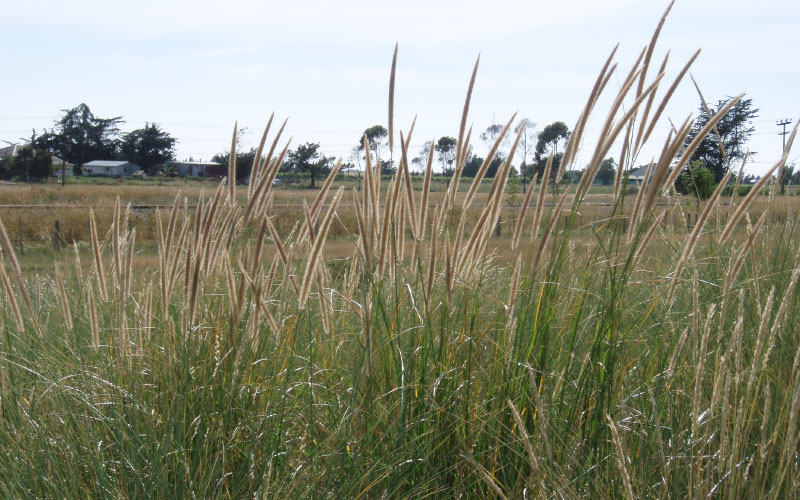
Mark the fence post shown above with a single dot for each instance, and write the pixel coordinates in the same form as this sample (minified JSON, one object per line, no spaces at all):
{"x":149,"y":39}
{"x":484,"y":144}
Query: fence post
{"x":57,"y":235}
{"x":21,"y":246}
{"x":497,"y":229}
{"x":688,"y":221}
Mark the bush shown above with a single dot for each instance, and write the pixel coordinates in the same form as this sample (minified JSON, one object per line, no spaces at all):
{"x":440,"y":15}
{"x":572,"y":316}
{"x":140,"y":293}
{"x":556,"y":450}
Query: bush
{"x":698,"y":181}
{"x":741,"y":190}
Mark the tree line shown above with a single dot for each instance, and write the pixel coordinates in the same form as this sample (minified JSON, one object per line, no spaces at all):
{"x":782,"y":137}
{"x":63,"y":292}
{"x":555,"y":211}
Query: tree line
{"x":79,"y":137}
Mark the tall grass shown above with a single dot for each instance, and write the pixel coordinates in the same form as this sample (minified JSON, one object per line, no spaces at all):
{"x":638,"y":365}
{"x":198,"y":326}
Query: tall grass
{"x":612,"y":360}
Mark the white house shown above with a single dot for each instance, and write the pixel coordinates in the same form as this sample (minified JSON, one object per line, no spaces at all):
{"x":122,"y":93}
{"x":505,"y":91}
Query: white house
{"x":637,"y":175}
{"x":14,"y":149}
{"x":9,"y":151}
{"x":110,"y":168}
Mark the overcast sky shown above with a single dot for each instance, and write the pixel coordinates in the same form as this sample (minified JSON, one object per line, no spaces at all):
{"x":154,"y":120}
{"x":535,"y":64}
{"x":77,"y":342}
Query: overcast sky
{"x":195,"y":67}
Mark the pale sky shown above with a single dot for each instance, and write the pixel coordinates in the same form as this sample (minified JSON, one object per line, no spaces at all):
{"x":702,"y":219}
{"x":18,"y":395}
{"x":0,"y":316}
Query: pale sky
{"x":195,"y":67}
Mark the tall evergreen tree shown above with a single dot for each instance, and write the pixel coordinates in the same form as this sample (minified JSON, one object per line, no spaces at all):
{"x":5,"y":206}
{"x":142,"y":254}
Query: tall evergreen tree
{"x":716,"y":152}
{"x":80,"y":137}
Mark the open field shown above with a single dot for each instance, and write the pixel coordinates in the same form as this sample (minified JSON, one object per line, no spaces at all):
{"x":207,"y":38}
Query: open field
{"x":41,"y":217}
{"x":387,"y":343}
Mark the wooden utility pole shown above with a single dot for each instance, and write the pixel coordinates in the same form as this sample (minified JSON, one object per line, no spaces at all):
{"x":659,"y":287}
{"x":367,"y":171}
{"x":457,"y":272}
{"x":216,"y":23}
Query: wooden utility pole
{"x":782,"y":176}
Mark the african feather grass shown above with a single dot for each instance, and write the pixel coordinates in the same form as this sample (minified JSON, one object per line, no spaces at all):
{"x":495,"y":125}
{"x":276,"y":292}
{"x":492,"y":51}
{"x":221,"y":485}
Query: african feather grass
{"x":602,"y":360}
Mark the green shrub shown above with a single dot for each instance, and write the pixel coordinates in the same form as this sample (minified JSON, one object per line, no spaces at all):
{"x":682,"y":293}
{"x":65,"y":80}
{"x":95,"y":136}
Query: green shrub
{"x":698,"y":181}
{"x":740,"y":190}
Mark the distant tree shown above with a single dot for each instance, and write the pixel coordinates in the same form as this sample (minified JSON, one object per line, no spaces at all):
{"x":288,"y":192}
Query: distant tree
{"x":549,"y":141}
{"x":79,"y":137}
{"x":525,"y":149}
{"x":735,"y":129}
{"x":792,"y":174}
{"x":490,"y":135}
{"x":446,"y":149}
{"x":148,"y":146}
{"x":607,"y":171}
{"x":377,"y":139}
{"x":472,"y":165}
{"x":750,"y":179}
{"x":244,"y":158}
{"x":420,"y":161}
{"x":387,"y":167}
{"x":307,"y":158}
{"x":244,"y":162}
{"x":698,"y":180}
{"x":494,"y":165}
{"x":28,"y":164}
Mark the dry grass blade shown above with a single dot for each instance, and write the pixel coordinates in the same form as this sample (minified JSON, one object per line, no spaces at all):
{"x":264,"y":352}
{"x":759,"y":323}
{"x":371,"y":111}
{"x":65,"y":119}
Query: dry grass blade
{"x":657,"y":185}
{"x":652,"y":45}
{"x":465,"y":149}
{"x":255,"y":173}
{"x":537,"y":215}
{"x":432,"y":259}
{"x":323,"y":192}
{"x":308,"y":232}
{"x":391,"y":98}
{"x":12,"y":299}
{"x":465,"y":113}
{"x":232,"y":166}
{"x":637,"y":205}
{"x":476,"y":182}
{"x":426,"y":189}
{"x":715,"y":129}
{"x":362,"y":231}
{"x":485,"y":475}
{"x":646,"y":240}
{"x":621,"y":459}
{"x":550,"y":228}
{"x":526,"y":440}
{"x":262,"y":194}
{"x":98,"y":260}
{"x":115,"y":242}
{"x":733,"y":270}
{"x":93,"y":319}
{"x":667,"y":97}
{"x":754,"y":192}
{"x":646,"y":112}
{"x":262,"y":234}
{"x":577,"y":132}
{"x":5,"y":242}
{"x":690,"y":149}
{"x":319,"y":243}
{"x":691,"y":241}
{"x":512,"y":293}
{"x":623,"y":158}
{"x":608,"y":137}
{"x":409,"y":188}
{"x":523,"y":210}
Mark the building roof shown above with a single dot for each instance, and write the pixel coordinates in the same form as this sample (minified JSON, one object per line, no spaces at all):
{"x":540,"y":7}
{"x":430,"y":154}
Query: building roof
{"x":57,"y":162}
{"x":638,"y":173}
{"x":9,"y":151}
{"x":200,"y":163}
{"x":106,"y":163}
